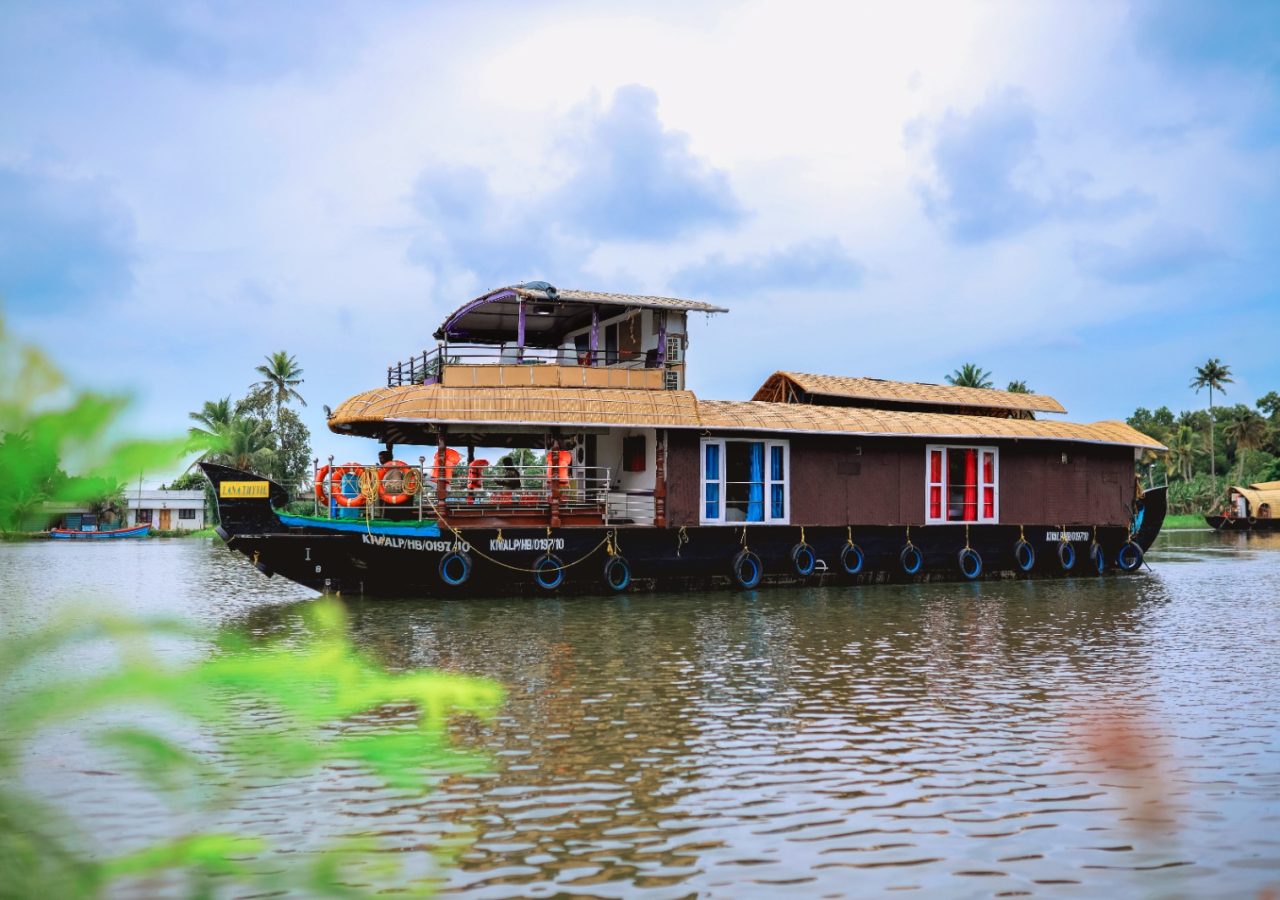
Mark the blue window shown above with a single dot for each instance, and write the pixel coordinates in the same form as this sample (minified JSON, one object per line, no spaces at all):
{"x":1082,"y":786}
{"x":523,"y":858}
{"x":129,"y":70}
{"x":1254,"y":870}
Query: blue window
{"x":711,"y":480}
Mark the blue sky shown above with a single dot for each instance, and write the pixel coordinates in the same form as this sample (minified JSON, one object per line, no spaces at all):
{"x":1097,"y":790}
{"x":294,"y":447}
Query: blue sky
{"x":1083,"y":196}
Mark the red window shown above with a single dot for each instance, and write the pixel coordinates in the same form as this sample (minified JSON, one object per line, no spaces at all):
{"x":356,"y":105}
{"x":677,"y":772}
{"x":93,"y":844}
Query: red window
{"x":961,"y":484}
{"x":935,"y":484}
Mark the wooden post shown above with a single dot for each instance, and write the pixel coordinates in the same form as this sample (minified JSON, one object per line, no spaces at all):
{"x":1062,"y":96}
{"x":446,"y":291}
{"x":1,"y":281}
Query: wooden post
{"x":553,"y":476}
{"x":595,"y":335}
{"x":520,"y":332}
{"x":660,"y":479}
{"x":662,"y":338}
{"x":441,"y":468}
{"x":471,"y":457}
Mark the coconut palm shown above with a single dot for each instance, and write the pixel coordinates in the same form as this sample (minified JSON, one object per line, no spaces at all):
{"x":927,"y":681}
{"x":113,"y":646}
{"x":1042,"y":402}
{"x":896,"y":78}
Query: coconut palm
{"x":1211,"y":375}
{"x":1182,"y":452}
{"x":247,"y":444}
{"x":280,"y":378}
{"x":1248,"y":431}
{"x":1019,"y":387}
{"x":970,"y":375}
{"x":212,"y":419}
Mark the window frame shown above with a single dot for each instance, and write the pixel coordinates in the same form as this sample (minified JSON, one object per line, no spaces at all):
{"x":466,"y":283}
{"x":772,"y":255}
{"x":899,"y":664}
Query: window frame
{"x":994,"y":484}
{"x":722,"y":481}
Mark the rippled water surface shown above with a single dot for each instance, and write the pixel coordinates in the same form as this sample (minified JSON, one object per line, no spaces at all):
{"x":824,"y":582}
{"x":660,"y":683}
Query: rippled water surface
{"x":1000,"y":739}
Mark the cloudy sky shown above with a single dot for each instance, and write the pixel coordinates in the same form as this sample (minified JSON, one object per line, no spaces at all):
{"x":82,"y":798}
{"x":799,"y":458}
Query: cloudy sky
{"x":1085,"y":196}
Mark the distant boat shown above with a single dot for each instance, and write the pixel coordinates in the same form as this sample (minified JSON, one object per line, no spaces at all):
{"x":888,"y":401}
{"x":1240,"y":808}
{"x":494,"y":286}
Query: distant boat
{"x":67,"y":534}
{"x":1253,"y":508}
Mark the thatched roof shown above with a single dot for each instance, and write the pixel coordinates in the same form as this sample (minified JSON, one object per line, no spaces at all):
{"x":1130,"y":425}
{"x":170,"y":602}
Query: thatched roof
{"x":1267,"y":492}
{"x":429,"y":405}
{"x":550,"y":312}
{"x":791,"y":387}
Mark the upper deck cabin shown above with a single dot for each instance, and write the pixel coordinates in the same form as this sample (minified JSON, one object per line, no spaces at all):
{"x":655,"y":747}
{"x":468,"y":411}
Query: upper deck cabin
{"x":534,"y":335}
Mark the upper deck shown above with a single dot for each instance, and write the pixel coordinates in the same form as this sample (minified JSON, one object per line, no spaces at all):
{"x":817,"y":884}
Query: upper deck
{"x":533,"y":335}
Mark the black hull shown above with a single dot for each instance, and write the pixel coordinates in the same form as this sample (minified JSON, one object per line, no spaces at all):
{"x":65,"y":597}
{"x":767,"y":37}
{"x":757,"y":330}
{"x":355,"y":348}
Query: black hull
{"x":1231,"y":523}
{"x":676,"y":558}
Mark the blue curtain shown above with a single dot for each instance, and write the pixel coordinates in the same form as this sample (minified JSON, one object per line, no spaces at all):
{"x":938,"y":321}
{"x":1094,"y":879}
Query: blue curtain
{"x":755,"y":494}
{"x":712,"y":482}
{"x":777,"y":499}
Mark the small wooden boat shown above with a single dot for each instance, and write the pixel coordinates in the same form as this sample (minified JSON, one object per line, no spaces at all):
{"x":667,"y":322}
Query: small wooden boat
{"x":1252,"y":508}
{"x":816,"y":479}
{"x":67,"y":534}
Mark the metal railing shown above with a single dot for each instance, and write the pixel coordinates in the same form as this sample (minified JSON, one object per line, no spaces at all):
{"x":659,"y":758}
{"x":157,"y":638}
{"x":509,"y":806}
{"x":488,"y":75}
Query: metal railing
{"x":428,"y":366}
{"x":498,"y":490}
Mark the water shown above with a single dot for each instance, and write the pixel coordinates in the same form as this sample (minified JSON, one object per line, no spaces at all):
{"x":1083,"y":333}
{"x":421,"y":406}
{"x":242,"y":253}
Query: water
{"x":1002,"y":739}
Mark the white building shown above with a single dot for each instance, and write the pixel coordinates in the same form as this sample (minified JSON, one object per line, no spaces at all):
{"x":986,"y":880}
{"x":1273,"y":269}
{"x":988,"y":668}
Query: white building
{"x":166,"y":510}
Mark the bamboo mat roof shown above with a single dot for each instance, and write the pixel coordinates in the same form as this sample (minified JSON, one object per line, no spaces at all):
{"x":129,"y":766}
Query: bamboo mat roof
{"x":753,"y":415}
{"x":429,"y":405}
{"x":1264,"y":492}
{"x":782,"y":387}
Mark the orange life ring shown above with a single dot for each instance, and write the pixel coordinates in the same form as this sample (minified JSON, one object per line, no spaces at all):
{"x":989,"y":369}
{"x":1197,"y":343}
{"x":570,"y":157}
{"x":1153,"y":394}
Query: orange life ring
{"x":558,"y":465}
{"x":407,"y":488}
{"x":336,"y":478}
{"x":322,"y":494}
{"x":444,"y":473}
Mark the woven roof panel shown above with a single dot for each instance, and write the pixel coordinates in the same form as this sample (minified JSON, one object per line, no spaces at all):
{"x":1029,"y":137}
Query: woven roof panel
{"x":754,"y":415}
{"x":365,"y":413}
{"x":909,"y":392}
{"x":518,"y":406}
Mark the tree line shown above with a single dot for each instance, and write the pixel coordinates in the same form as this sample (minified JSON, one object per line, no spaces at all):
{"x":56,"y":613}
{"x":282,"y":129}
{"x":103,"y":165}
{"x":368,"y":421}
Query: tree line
{"x":1206,"y":443}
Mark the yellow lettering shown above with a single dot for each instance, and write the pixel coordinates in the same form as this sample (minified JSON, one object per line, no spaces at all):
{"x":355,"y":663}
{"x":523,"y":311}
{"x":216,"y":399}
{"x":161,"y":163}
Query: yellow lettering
{"x":244,"y":489}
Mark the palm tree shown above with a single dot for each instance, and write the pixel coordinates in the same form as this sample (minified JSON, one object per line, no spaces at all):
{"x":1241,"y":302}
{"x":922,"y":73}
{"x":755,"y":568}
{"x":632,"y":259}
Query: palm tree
{"x":247,"y":444}
{"x":1248,"y":431}
{"x":212,"y":419}
{"x":1182,"y":452}
{"x":1019,"y":387}
{"x":970,"y":375}
{"x":1212,"y":374}
{"x":280,"y":378}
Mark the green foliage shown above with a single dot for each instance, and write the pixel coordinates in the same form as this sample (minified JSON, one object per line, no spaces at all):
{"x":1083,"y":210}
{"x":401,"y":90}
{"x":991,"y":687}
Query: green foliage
{"x":327,"y":704}
{"x":970,"y":375}
{"x":46,"y":427}
{"x":259,"y":433}
{"x":291,"y":466}
{"x":1019,"y":387}
{"x":187,"y":481}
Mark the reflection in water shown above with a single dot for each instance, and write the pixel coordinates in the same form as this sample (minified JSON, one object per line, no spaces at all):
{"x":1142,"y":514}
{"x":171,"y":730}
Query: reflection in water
{"x":1119,"y":734}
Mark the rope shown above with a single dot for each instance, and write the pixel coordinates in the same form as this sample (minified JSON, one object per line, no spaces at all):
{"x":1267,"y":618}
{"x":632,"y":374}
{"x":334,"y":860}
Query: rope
{"x":802,"y":540}
{"x":497,"y":562}
{"x":1062,"y":534}
{"x":909,"y":544}
{"x":1022,"y":537}
{"x":682,"y":538}
{"x":966,"y":538}
{"x":848,"y":534}
{"x":744,"y":538}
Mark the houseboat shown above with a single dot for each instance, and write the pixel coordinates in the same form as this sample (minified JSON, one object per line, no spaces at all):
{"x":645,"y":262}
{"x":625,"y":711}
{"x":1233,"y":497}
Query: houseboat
{"x":1252,"y":508}
{"x":558,"y":448}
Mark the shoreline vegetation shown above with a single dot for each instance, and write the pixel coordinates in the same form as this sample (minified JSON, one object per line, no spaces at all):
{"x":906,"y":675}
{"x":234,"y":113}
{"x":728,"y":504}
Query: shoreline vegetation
{"x":1211,"y":450}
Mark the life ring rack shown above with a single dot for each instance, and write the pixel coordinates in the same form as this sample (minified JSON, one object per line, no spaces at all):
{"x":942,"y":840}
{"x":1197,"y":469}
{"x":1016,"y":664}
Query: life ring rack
{"x":336,"y":479}
{"x":410,"y":482}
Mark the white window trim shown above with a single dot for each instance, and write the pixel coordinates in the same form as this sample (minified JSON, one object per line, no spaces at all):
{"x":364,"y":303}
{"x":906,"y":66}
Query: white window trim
{"x":995,"y":484}
{"x":784,"y":519}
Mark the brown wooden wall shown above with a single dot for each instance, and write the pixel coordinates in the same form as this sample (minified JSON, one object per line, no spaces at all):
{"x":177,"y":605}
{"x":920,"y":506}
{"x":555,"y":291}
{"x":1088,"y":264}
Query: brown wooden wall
{"x":842,"y":480}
